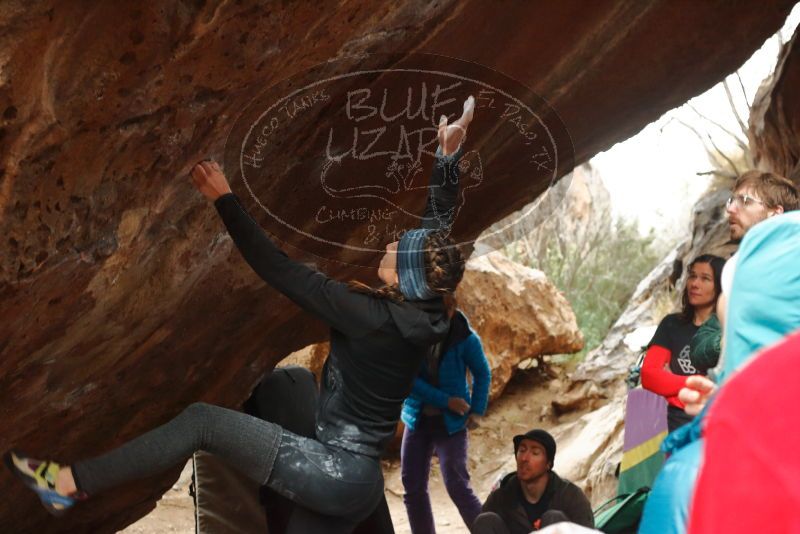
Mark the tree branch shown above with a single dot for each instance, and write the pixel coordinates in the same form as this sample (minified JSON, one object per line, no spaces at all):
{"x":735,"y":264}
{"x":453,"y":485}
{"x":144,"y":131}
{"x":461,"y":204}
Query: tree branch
{"x":732,"y":104}
{"x":718,"y":172}
{"x":743,"y":145}
{"x":709,"y":152}
{"x":741,"y":86}
{"x":723,"y":154}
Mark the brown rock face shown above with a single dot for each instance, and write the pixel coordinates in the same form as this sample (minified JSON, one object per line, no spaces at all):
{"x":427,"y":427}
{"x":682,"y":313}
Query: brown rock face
{"x":122,"y":300}
{"x":775,"y":116}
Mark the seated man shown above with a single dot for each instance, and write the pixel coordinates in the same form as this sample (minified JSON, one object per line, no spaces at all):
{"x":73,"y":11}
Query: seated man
{"x":534,"y":496}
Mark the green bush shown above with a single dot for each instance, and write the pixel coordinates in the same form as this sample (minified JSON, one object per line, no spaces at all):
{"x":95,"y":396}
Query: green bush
{"x":596,"y":268}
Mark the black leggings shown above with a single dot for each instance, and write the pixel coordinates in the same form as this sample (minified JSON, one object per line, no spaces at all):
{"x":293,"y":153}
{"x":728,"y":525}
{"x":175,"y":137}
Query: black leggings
{"x":335,"y":488}
{"x":288,"y":397}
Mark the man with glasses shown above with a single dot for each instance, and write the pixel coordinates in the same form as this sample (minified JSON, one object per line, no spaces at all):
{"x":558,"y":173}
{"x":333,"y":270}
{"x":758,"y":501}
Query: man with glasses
{"x":757,"y":195}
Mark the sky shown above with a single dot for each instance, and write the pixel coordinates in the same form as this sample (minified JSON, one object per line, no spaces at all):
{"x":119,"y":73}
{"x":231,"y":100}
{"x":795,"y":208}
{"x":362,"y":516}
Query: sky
{"x":652,"y":177}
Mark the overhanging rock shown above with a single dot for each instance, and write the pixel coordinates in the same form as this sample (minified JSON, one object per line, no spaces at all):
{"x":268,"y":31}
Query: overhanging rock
{"x":122,"y":301}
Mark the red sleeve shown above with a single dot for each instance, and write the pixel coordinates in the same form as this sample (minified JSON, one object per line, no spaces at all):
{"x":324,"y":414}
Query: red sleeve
{"x":656,"y":375}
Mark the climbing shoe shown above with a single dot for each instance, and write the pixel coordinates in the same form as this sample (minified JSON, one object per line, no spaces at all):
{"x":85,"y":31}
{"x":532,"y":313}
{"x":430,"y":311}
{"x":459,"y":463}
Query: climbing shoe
{"x":40,"y":476}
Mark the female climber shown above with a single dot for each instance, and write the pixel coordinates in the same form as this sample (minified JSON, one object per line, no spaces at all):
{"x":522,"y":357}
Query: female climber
{"x":379,"y":338}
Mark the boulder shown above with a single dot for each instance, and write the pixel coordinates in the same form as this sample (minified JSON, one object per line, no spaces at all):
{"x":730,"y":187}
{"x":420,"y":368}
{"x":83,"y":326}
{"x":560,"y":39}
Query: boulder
{"x":590,"y":449}
{"x":311,"y":357}
{"x":518,"y":313}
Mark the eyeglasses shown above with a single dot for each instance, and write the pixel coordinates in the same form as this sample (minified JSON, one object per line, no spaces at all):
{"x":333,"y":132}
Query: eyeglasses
{"x":743,"y":200}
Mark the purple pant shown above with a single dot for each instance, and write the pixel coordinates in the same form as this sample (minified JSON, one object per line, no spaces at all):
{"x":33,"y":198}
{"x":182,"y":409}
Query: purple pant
{"x":415,"y":456}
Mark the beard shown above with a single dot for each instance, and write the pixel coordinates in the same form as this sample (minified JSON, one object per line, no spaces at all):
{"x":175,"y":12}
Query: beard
{"x":736,"y":231}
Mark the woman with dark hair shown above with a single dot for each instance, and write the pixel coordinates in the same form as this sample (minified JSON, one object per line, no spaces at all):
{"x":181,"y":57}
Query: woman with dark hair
{"x":667,"y":363}
{"x":436,"y":415}
{"x":378,"y":340}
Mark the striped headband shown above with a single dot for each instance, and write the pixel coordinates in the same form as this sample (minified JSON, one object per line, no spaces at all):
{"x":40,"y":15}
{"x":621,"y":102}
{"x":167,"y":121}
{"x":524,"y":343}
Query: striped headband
{"x":411,"y":265}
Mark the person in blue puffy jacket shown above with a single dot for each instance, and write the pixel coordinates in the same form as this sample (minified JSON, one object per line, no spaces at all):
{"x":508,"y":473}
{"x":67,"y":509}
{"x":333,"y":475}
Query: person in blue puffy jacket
{"x":436,"y":415}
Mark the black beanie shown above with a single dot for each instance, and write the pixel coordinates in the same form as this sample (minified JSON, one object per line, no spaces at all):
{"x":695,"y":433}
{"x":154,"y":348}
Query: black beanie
{"x":541,"y":437}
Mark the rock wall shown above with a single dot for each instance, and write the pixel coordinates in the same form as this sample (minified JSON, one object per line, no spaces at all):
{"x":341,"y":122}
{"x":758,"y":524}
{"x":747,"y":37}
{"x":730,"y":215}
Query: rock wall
{"x":122,"y":299}
{"x":775,"y":116}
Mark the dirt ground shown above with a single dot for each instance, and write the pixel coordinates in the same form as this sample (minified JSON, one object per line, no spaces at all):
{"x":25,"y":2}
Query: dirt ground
{"x":517,"y":411}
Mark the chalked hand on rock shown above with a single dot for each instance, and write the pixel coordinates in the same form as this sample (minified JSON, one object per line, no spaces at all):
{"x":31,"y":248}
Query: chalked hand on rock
{"x":208,"y":178}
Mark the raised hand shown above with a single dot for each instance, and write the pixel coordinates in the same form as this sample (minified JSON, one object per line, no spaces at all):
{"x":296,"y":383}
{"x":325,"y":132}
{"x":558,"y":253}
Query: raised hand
{"x":452,"y":135}
{"x":208,"y":178}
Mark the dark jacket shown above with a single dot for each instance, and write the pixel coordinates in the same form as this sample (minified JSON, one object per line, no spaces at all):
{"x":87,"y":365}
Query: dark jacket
{"x":706,"y":343}
{"x":376,"y":345}
{"x":462,"y":351}
{"x":562,"y":494}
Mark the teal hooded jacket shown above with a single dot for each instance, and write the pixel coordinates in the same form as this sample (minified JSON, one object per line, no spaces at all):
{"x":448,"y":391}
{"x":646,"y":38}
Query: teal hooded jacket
{"x":462,"y":351}
{"x":763,"y":305}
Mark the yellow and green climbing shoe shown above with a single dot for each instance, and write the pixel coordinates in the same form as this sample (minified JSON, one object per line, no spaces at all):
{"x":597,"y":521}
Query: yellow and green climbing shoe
{"x":40,"y":476}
